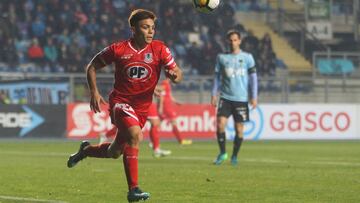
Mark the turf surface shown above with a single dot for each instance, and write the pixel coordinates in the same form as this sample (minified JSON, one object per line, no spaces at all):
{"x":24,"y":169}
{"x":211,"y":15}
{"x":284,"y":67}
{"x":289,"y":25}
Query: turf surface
{"x":268,"y":171}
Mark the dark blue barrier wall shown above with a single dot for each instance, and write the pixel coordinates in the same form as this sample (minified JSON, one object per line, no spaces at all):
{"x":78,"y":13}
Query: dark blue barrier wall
{"x":32,"y":121}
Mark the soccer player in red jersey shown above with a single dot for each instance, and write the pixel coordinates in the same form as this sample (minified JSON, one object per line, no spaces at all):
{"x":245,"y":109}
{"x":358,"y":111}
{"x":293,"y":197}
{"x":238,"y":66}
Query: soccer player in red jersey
{"x":153,"y":118}
{"x":166,"y":111}
{"x":138,"y":63}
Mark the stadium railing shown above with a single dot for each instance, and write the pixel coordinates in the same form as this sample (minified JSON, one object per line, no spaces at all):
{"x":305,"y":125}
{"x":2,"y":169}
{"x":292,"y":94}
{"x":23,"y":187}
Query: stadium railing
{"x":335,"y":64}
{"x":196,"y":89}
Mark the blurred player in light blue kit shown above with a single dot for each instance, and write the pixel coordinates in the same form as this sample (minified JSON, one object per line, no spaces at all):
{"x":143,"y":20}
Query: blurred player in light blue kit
{"x":235,"y":82}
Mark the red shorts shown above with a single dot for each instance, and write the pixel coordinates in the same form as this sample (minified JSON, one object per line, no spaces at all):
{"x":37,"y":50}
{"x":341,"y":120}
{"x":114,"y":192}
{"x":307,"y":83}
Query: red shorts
{"x":153,"y":112}
{"x":169,"y":113}
{"x":124,"y":116}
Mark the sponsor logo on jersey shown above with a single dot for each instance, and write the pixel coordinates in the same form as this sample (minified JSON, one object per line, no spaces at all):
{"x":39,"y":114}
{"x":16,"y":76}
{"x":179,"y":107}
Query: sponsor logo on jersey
{"x":148,"y":58}
{"x":138,"y":72}
{"x":126,"y":56}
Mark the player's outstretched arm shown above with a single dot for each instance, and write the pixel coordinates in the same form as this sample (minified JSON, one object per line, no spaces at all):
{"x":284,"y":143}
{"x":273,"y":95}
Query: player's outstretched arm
{"x":95,"y":98}
{"x":175,"y":74}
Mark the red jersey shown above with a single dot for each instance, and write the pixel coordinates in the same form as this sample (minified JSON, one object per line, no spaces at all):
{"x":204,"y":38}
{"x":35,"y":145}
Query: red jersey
{"x":167,"y":96}
{"x":136,"y":72}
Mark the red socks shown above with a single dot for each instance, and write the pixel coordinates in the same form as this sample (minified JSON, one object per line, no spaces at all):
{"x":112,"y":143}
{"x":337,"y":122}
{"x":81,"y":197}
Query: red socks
{"x":130,"y":159}
{"x":154,"y":137}
{"x":177,"y":134}
{"x":98,"y":151}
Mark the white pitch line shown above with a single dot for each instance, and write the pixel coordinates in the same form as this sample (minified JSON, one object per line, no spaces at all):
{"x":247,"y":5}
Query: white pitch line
{"x":23,"y":153}
{"x":29,"y":199}
{"x":193,"y":158}
{"x":334,"y":163}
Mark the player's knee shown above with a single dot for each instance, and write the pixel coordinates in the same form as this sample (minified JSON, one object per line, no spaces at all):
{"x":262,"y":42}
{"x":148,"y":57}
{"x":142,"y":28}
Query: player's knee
{"x":135,"y":138}
{"x":155,"y":123}
{"x":114,"y":153}
{"x":239,"y":131}
{"x":239,"y":134}
{"x":220,"y":127}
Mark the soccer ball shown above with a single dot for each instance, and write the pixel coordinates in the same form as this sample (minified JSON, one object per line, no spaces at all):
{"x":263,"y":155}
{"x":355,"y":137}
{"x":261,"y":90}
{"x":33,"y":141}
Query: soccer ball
{"x":206,"y":6}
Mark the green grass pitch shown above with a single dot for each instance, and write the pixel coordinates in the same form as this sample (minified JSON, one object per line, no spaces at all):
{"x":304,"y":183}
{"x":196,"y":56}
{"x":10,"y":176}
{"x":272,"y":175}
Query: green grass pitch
{"x":268,"y":171}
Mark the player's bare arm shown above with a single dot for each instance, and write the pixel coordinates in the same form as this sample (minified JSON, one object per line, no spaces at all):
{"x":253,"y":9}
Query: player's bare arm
{"x":214,"y":100}
{"x":253,"y":103}
{"x":175,"y":101}
{"x":95,"y":98}
{"x":175,"y":74}
{"x":158,"y":90}
{"x":161,"y":104}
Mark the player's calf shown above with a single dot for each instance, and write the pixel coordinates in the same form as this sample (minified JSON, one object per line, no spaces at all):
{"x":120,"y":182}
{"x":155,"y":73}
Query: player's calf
{"x":116,"y":150}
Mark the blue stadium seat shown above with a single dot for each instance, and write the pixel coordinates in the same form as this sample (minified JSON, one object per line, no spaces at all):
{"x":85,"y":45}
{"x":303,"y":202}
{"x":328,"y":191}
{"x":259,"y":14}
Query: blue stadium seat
{"x":335,"y":66}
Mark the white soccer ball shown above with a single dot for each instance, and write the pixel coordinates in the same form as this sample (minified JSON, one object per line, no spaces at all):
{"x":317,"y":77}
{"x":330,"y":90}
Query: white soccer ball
{"x":206,"y":6}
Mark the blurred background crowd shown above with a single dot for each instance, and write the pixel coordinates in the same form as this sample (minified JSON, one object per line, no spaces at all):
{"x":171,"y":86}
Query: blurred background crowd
{"x":62,"y":35}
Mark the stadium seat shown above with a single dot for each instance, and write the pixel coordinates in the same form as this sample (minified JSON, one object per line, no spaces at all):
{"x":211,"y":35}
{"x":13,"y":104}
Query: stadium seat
{"x":335,"y":66}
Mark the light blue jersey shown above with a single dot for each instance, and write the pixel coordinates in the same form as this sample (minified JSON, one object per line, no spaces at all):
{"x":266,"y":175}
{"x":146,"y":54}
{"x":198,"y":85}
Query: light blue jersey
{"x":232,"y":70}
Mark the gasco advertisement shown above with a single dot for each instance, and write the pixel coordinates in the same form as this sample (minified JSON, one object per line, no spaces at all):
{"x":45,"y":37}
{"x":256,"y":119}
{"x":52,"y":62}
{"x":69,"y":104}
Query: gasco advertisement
{"x":269,"y":121}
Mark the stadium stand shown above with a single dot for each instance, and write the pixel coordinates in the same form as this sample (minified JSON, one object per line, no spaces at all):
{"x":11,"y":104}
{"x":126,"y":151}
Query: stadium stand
{"x":56,"y":36}
{"x":60,"y":36}
{"x":295,"y":62}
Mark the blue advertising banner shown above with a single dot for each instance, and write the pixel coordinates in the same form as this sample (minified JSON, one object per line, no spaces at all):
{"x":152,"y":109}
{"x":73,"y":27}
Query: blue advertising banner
{"x":36,"y":92}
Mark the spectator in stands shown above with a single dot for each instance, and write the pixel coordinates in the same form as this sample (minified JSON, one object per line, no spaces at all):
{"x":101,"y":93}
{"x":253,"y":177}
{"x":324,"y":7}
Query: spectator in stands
{"x":92,"y":28}
{"x":267,"y":57}
{"x":208,"y":57}
{"x":22,"y":46}
{"x":64,"y":37}
{"x":251,"y":43}
{"x":77,"y":26}
{"x":22,"y":26}
{"x":4,"y":99}
{"x":79,"y":39}
{"x":9,"y":52}
{"x":51,"y":53}
{"x":80,"y":16}
{"x":38,"y":27}
{"x":266,"y":42}
{"x":75,"y":60}
{"x":266,"y":62}
{"x":194,"y":56}
{"x":35,"y":52}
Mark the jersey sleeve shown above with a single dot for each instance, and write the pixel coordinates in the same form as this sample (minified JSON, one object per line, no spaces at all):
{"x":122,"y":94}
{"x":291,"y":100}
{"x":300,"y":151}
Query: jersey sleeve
{"x":167,"y":60}
{"x":107,"y":55}
{"x":217,"y":64}
{"x":251,"y":61}
{"x":216,"y":76}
